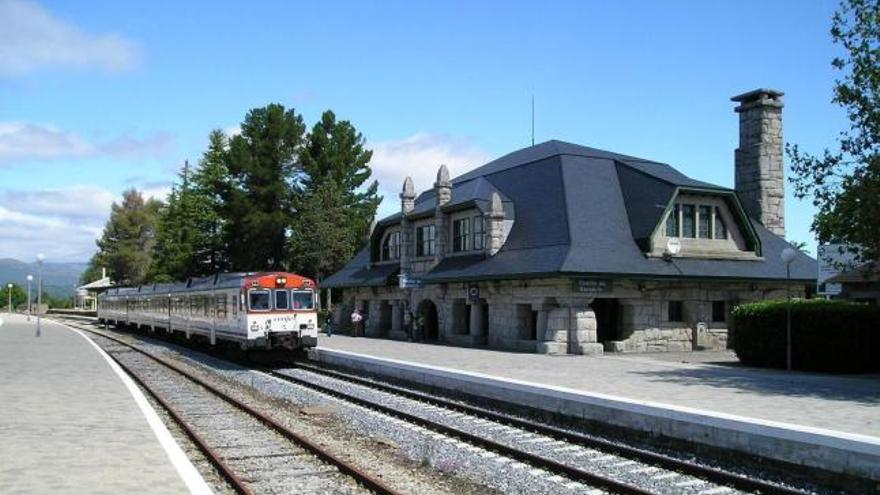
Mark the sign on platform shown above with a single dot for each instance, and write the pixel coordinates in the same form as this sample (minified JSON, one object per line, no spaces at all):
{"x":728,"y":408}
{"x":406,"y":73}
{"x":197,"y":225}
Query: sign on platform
{"x":592,"y":285}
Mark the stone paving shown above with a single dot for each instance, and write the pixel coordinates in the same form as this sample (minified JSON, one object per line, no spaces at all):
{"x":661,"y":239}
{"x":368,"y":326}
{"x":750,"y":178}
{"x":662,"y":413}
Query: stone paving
{"x":710,"y":381}
{"x":67,"y":422}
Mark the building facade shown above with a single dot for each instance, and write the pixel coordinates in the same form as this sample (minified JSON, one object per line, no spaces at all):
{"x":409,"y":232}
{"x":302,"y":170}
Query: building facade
{"x":563,"y":249}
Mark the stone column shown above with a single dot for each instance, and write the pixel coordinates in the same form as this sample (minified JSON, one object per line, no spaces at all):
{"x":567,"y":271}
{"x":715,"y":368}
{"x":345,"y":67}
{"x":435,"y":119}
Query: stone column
{"x":396,"y":317}
{"x":583,"y":337}
{"x":372,"y":328}
{"x":543,"y":318}
{"x":555,"y":337}
{"x":407,"y":203}
{"x":494,"y":221}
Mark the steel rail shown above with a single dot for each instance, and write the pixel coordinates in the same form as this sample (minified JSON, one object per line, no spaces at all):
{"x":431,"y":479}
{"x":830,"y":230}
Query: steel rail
{"x":577,"y":474}
{"x":362,"y":477}
{"x":706,"y":472}
{"x":200,"y":442}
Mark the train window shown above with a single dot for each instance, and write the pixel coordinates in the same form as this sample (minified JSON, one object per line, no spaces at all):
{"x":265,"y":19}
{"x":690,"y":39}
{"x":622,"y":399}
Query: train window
{"x":281,"y":299}
{"x":259,"y":300}
{"x":303,"y":299}
{"x":220,"y":304}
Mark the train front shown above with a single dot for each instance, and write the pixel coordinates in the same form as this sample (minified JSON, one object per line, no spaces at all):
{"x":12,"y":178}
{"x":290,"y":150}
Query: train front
{"x":281,"y":311}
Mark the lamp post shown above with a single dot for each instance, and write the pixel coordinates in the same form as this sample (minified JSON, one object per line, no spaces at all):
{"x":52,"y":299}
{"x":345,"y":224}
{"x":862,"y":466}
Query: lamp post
{"x":30,"y":278}
{"x":788,"y":255}
{"x":40,"y":258}
{"x":9,"y":291}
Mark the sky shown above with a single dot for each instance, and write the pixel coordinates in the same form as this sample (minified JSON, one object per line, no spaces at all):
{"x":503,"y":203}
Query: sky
{"x":99,"y":97}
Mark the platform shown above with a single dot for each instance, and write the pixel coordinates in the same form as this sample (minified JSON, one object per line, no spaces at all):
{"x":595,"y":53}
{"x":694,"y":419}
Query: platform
{"x":826,"y":421}
{"x":71,"y":422}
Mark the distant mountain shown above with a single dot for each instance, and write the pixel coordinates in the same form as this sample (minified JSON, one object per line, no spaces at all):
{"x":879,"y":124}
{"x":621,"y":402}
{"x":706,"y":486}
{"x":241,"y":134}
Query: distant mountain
{"x":59,"y":279}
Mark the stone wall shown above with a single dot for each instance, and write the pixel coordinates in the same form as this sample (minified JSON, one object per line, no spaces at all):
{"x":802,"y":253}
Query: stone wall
{"x":561,"y":320}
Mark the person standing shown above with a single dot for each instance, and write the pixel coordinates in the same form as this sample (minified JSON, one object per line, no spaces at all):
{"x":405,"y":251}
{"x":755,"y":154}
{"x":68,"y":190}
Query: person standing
{"x":328,"y":325}
{"x":357,"y":320}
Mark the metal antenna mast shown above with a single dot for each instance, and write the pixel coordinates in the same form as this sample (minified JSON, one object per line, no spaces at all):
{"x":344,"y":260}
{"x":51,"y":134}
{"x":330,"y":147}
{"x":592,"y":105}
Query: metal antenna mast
{"x":533,"y":119}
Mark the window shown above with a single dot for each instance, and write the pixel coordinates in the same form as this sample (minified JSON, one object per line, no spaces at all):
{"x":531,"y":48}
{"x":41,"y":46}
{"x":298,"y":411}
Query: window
{"x":303,"y":299}
{"x":705,"y":222}
{"x":425,"y":240}
{"x":281,"y":298}
{"x":720,"y":227}
{"x":259,"y":300}
{"x":461,"y":234}
{"x":391,"y":246}
{"x":220,"y":304}
{"x":479,"y":233}
{"x":719,"y":311}
{"x":676,"y":311}
{"x":688,"y":221}
{"x":672,"y":222}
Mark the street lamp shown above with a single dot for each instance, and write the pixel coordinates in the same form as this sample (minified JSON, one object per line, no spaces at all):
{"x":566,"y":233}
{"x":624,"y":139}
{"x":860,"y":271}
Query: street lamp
{"x":788,"y":255}
{"x":9,"y":291}
{"x":30,"y":278}
{"x":40,"y":258}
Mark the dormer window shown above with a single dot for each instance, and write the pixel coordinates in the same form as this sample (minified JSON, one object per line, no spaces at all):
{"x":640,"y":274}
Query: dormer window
{"x":704,"y":230}
{"x":479,"y":233}
{"x":720,"y":227}
{"x":425,"y":240}
{"x":391,"y":246}
{"x":688,"y":221}
{"x":461,"y":235}
{"x":672,"y":222}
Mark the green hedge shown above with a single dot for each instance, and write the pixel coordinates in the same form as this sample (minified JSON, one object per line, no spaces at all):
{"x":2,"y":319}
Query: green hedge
{"x":831,"y":336}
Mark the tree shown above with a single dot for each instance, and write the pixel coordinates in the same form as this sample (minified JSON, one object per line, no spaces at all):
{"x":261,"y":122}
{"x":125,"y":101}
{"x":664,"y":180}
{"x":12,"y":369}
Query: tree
{"x":322,"y":242}
{"x":126,"y":245}
{"x":19,"y":296}
{"x":263,"y":165}
{"x":335,"y":202}
{"x":845,"y":183}
{"x":211,"y":184}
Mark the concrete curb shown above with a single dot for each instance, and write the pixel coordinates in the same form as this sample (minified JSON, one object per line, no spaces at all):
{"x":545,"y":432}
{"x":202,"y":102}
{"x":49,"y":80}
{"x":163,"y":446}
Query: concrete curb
{"x":839,"y":452}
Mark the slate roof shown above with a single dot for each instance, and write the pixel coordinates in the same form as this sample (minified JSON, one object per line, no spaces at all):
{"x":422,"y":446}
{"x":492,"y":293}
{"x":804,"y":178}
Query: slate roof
{"x":579,"y":211}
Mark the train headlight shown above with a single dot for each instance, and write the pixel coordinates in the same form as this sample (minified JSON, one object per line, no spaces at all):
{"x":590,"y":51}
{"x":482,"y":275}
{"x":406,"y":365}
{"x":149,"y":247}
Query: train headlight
{"x":280,"y":281}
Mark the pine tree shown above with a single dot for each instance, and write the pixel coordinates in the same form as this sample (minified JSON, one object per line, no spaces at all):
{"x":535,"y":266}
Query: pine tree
{"x":126,"y":245}
{"x":263,"y":163}
{"x":211,"y":184}
{"x":335,"y":202}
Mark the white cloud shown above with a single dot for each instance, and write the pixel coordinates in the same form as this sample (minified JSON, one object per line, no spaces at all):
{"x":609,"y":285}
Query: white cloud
{"x":32,"y":38}
{"x":62,"y":223}
{"x":420,"y":156}
{"x":26,"y":141}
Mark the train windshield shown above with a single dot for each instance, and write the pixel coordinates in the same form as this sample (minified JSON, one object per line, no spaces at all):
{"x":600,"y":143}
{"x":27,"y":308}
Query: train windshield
{"x":281,"y":299}
{"x":303,"y":299}
{"x":259,"y":300}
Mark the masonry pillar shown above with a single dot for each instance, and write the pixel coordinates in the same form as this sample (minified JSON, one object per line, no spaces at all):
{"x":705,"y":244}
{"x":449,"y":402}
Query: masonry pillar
{"x":494,"y":221}
{"x":759,"y":169}
{"x":583,"y":336}
{"x":396,"y":317}
{"x":554,"y":340}
{"x":443,"y":190}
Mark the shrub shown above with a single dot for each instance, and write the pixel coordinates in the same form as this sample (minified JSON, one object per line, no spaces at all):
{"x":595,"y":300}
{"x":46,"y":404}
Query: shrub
{"x":832,"y":336}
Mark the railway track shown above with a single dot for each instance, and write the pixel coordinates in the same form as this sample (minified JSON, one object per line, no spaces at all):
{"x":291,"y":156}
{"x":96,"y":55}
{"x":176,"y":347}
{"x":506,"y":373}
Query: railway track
{"x":254,"y":452}
{"x":590,"y":461}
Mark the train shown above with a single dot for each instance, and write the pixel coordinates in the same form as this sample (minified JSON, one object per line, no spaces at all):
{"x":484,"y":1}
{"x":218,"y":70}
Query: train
{"x":255,"y":311}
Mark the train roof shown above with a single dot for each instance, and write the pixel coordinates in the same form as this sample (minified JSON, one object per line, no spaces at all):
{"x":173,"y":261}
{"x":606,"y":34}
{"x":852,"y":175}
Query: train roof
{"x":217,"y":281}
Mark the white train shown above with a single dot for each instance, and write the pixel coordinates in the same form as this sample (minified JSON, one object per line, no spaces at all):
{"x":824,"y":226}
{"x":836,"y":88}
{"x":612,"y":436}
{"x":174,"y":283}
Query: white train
{"x":254,"y":310}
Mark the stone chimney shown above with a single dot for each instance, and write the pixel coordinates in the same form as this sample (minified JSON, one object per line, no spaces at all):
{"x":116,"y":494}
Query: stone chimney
{"x":443,"y":186}
{"x":494,"y":225}
{"x":760,"y":181}
{"x":443,"y":191}
{"x":407,"y":204}
{"x":407,"y":196}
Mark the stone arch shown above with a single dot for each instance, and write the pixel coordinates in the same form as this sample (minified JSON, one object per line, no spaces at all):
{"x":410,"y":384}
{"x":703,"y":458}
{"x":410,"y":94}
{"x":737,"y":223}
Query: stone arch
{"x":426,"y":313}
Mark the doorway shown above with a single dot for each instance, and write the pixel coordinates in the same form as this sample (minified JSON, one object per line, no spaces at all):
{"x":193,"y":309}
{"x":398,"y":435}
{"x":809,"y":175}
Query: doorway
{"x":427,"y":314}
{"x":607,"y":319}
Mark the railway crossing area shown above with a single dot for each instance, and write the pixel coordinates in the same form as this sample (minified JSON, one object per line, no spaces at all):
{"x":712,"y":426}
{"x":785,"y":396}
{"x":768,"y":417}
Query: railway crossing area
{"x":70,"y":422}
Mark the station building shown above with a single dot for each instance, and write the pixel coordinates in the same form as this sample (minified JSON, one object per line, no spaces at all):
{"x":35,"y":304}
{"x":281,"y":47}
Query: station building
{"x":564,"y":249}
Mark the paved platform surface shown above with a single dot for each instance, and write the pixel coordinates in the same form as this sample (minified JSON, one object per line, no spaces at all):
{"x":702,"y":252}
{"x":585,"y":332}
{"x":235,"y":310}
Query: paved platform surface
{"x":710,"y":381}
{"x":69,"y":424}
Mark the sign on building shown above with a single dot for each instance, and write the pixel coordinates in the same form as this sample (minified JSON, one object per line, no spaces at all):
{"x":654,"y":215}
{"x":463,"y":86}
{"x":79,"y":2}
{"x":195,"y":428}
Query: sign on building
{"x":833,"y":259}
{"x":409,"y":282}
{"x":592,"y":285}
{"x":473,"y":293}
